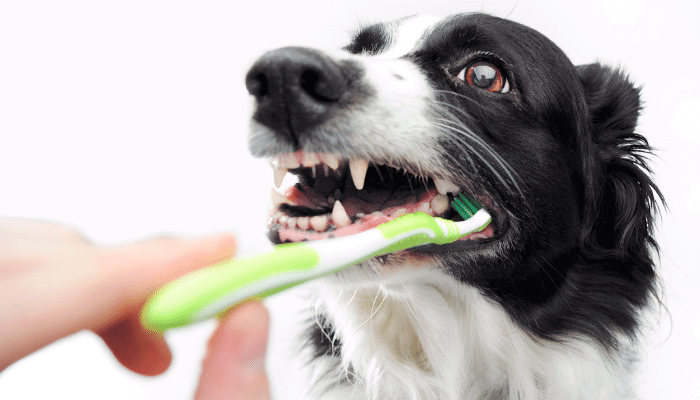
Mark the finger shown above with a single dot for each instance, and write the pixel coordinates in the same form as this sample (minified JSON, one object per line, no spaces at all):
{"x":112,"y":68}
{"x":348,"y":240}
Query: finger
{"x":138,"y":349}
{"x":234,"y":367}
{"x":136,"y":271}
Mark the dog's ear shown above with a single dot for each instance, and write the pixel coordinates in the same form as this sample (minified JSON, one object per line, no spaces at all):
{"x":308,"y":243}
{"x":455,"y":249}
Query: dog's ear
{"x":619,"y":216}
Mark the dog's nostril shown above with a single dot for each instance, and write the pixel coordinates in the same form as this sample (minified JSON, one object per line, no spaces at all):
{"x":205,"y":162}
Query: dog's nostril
{"x":257,"y":85}
{"x":319,"y":86}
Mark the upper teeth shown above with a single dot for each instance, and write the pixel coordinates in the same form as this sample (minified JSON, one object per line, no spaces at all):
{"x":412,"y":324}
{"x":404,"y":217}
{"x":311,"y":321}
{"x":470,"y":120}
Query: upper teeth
{"x":445,"y":187}
{"x":358,"y":168}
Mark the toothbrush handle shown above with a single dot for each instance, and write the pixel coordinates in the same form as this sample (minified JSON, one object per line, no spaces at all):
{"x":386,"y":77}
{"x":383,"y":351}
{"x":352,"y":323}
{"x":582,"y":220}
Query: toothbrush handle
{"x":207,"y":292}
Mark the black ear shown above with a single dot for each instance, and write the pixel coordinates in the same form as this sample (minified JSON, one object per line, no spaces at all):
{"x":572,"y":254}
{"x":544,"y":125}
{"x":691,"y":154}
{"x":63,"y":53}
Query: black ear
{"x":620,"y":217}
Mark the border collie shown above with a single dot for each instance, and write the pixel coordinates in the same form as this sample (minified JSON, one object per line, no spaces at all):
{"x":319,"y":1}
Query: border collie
{"x":546,"y":302}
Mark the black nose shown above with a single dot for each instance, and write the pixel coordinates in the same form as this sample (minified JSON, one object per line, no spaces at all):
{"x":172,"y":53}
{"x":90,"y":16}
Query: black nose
{"x":296,"y":89}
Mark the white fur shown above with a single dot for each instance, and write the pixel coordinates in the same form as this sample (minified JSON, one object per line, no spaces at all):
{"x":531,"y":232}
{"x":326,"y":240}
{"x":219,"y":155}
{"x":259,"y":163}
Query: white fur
{"x":407,"y":35}
{"x":422,"y":335}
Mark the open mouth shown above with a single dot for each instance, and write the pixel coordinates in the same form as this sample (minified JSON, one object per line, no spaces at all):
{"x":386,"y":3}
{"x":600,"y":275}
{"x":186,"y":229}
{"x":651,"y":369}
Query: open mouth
{"x":337,"y":197}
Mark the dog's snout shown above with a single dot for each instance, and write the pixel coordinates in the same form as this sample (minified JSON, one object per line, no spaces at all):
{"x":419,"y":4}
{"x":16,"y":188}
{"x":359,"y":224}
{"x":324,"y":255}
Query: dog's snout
{"x":296,"y":88}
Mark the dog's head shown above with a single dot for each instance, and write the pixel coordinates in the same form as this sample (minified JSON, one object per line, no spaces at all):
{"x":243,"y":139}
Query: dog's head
{"x":411,"y":112}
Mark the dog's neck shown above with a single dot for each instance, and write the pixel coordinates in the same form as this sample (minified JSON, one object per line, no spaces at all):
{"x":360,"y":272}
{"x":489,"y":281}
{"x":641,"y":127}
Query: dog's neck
{"x":429,"y":337}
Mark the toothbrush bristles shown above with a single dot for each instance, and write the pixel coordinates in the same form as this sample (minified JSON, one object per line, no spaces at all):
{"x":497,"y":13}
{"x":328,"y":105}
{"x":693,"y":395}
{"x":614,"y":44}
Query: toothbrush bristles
{"x":465,"y":205}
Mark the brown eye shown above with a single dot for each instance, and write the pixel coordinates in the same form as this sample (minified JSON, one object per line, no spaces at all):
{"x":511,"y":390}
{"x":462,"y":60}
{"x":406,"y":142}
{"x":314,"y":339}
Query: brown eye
{"x":485,"y":75}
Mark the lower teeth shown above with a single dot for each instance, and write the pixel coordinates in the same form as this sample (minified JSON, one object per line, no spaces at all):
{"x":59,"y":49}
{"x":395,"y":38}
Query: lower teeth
{"x":338,"y":218}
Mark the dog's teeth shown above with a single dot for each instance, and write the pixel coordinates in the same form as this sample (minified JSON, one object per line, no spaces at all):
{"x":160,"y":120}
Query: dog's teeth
{"x":292,"y":223}
{"x":278,"y":198}
{"x":319,"y":223}
{"x":288,"y":161}
{"x":445,"y":187}
{"x":280,"y":173}
{"x":303,"y":223}
{"x":439,"y":204}
{"x":310,"y":159}
{"x":424,"y":207}
{"x":358,"y":170}
{"x":330,"y":160}
{"x":339,"y":215}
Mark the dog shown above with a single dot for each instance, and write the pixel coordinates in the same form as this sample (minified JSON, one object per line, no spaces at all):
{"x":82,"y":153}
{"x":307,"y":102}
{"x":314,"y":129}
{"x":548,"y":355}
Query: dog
{"x":548,"y":300}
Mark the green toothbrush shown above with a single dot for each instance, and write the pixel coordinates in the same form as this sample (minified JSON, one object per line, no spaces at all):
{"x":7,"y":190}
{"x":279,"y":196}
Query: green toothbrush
{"x":205,"y":293}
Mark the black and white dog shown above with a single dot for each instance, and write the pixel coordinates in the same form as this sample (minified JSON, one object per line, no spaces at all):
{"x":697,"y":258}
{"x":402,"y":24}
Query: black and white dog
{"x":546,"y":302}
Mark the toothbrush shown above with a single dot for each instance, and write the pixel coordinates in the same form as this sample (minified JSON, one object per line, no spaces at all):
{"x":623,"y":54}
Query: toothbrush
{"x":205,"y":293}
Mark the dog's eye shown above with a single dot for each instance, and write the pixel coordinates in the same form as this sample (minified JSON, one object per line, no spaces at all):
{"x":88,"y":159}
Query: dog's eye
{"x":485,"y":75}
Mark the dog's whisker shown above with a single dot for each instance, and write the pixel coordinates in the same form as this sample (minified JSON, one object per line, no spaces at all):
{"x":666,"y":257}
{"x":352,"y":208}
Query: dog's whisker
{"x":372,"y":311}
{"x":376,"y":167}
{"x":482,"y":145}
{"x":466,"y":132}
{"x":477,"y":153}
{"x":512,"y":175}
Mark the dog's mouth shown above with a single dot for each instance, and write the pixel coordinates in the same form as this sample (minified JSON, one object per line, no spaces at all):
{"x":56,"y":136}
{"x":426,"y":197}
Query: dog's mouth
{"x":337,"y":197}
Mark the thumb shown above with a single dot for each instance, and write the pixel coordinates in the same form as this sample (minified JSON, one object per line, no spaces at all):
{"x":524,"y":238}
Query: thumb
{"x":234,"y":368}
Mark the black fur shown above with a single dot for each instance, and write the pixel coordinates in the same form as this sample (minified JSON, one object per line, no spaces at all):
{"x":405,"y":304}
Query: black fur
{"x":372,"y":39}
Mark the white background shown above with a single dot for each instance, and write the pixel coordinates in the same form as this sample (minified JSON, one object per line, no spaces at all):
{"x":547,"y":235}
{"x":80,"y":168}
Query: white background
{"x":127,"y":119}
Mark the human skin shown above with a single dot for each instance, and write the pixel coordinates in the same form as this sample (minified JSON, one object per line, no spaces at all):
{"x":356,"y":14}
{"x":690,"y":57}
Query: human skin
{"x":54,"y":282}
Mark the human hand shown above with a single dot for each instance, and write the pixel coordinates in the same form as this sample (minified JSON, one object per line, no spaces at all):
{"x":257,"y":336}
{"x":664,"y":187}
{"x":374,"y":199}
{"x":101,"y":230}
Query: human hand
{"x":54,"y":283}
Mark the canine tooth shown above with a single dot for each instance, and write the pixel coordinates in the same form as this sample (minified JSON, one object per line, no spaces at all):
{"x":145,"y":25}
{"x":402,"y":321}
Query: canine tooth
{"x":445,"y":187}
{"x":319,"y":223}
{"x":339,"y":215}
{"x":358,"y":170}
{"x":278,"y":198}
{"x":439,"y":204}
{"x":280,"y":173}
{"x":288,"y":161}
{"x":330,"y":160}
{"x":303,"y":223}
{"x":283,"y":220}
{"x":310,"y":159}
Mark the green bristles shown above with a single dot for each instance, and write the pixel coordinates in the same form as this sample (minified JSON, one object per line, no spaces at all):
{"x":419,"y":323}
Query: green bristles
{"x":465,"y":205}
